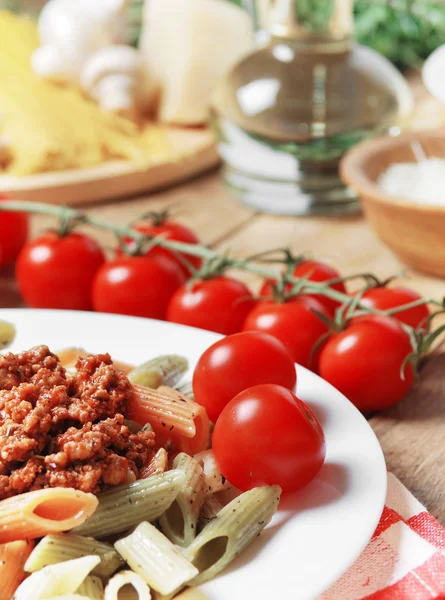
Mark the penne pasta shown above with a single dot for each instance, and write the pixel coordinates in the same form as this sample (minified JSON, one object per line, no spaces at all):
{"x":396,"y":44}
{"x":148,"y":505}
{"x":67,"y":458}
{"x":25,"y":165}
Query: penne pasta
{"x":152,"y":556}
{"x":68,"y":358}
{"x":49,"y":510}
{"x":115,"y":589}
{"x":215,"y":480}
{"x":92,"y":588}
{"x":157,"y":465}
{"x":209,"y":510}
{"x":186,"y":389}
{"x":56,"y":580}
{"x":171,"y":415}
{"x":53,"y":549}
{"x":124,"y":506}
{"x":180,"y":520}
{"x":163,"y":370}
{"x":13,"y":556}
{"x":235,"y":526}
{"x":191,"y":594}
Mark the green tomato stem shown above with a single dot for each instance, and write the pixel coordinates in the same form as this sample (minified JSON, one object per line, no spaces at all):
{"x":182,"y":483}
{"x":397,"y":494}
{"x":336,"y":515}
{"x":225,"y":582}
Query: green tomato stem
{"x":309,"y":287}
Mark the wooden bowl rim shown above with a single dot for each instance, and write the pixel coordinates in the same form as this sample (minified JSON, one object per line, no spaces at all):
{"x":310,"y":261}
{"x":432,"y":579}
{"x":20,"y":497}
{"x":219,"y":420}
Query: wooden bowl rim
{"x":352,"y":173}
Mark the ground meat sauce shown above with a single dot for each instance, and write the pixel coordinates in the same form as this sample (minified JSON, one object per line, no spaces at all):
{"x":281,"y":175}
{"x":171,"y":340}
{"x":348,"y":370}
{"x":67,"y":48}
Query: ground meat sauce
{"x":66,"y":430}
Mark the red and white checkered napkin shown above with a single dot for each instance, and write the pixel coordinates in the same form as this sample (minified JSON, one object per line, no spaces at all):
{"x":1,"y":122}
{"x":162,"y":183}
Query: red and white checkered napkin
{"x":405,"y":559}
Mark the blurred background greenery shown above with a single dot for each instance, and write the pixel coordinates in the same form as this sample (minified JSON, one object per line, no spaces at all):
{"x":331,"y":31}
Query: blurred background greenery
{"x":406,"y":31}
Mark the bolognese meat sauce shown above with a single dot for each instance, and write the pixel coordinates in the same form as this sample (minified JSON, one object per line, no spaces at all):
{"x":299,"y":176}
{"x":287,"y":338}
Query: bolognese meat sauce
{"x":66,"y":430}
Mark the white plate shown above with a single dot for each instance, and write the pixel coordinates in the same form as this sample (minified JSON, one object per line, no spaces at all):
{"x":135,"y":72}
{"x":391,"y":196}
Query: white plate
{"x":318,"y":532}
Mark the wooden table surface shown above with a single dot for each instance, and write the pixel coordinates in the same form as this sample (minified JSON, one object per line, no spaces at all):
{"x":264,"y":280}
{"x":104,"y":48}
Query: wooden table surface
{"x":412,"y":434}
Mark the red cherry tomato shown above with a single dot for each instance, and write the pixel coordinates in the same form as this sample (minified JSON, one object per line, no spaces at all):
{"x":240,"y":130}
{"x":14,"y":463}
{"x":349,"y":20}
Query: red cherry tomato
{"x":137,"y":285}
{"x":319,"y":272}
{"x":268,"y":436}
{"x":384,"y":298}
{"x":172,"y":230}
{"x":236,"y":363}
{"x":57,"y":272}
{"x":13,"y":235}
{"x":293,"y":323}
{"x":313,"y":271}
{"x":220,"y":304}
{"x":364,"y":362}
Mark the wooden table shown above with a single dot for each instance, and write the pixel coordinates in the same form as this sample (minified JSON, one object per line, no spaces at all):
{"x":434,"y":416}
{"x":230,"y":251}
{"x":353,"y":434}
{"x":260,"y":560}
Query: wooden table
{"x":413,"y":433}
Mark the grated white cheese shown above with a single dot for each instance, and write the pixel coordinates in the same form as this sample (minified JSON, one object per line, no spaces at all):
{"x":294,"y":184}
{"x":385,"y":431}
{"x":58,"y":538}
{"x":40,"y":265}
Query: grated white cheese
{"x":422,"y":182}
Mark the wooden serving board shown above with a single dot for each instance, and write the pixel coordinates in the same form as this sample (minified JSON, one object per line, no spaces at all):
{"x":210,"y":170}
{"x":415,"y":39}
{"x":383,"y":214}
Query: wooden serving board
{"x":194,"y":152}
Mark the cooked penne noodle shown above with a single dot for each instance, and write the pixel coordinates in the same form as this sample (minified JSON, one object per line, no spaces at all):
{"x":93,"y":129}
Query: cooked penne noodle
{"x":157,"y":465}
{"x":115,"y":589}
{"x":209,"y":510}
{"x":37,"y":513}
{"x":124,"y":506}
{"x":191,"y":594}
{"x":53,"y":549}
{"x":200,"y":441}
{"x":236,"y":525}
{"x":91,"y":587}
{"x":152,"y":556}
{"x":56,"y":580}
{"x":163,"y":370}
{"x":186,"y":389}
{"x":179,"y":522}
{"x":12,"y":562}
{"x":68,"y":357}
{"x":171,"y":415}
{"x":157,"y":596}
{"x":215,"y":480}
{"x":7,"y":334}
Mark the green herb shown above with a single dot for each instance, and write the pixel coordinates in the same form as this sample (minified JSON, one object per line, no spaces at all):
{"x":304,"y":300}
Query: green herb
{"x":314,"y":15}
{"x":324,"y":149}
{"x":405,"y":31}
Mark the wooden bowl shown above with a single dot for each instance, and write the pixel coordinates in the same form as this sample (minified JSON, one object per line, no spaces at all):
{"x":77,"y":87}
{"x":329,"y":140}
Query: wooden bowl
{"x":414,"y":232}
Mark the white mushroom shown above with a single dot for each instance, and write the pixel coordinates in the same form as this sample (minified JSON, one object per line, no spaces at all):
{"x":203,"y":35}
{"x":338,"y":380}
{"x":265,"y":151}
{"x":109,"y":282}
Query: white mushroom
{"x":112,"y":76}
{"x":71,"y":30}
